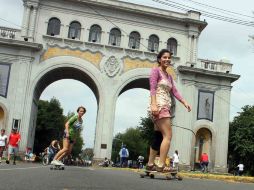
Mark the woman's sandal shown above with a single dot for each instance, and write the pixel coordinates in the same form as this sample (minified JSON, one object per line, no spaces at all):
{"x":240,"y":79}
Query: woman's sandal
{"x":164,"y":169}
{"x":151,"y":167}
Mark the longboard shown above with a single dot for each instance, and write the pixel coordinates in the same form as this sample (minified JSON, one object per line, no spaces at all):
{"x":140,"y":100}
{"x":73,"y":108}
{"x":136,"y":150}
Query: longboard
{"x":56,"y":167}
{"x":168,"y":175}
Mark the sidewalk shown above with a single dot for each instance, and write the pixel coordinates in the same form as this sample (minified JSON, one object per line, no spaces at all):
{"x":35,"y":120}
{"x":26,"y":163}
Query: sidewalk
{"x":217,"y":176}
{"x":199,"y":175}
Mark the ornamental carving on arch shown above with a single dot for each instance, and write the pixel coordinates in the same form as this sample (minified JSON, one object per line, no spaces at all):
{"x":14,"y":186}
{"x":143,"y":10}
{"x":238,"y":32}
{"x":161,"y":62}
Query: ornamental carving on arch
{"x":112,"y":66}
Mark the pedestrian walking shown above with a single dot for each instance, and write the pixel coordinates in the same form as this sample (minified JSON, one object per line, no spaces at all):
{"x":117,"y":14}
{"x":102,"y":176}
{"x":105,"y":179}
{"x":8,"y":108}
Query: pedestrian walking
{"x":124,"y":154}
{"x":176,"y":160}
{"x":3,"y":143}
{"x":204,"y":161}
{"x":13,"y":145}
{"x":240,"y":169}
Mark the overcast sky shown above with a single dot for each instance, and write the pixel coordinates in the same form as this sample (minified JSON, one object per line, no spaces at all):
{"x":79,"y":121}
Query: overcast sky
{"x":219,"y":40}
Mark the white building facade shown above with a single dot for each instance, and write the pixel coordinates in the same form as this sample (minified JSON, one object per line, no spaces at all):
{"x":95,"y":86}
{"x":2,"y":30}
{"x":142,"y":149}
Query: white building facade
{"x":111,"y":46}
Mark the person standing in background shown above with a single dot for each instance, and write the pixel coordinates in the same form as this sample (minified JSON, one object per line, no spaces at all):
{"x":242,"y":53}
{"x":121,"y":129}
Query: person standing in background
{"x":240,"y":169}
{"x":124,"y":154}
{"x":176,"y":160}
{"x":204,"y":161}
{"x":3,"y":143}
{"x":13,"y":145}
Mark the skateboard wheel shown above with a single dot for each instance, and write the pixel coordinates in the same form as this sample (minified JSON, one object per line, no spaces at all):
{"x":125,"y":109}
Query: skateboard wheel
{"x":180,"y":178}
{"x":142,"y":176}
{"x":151,"y":176}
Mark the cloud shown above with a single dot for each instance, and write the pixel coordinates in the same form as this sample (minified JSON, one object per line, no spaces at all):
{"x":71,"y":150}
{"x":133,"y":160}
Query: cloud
{"x":130,"y":107}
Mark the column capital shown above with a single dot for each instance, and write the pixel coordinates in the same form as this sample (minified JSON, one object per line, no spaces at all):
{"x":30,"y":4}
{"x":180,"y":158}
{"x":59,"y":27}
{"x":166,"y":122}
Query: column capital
{"x":193,"y":35}
{"x":32,"y":3}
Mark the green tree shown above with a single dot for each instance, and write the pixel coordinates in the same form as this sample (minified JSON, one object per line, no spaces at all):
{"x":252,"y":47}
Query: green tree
{"x":147,"y":129}
{"x":77,"y":148}
{"x":49,"y":124}
{"x":133,"y":141}
{"x":241,"y":140}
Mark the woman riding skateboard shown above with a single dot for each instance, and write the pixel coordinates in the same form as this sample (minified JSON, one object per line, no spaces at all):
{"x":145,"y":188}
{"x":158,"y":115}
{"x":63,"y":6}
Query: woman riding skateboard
{"x":72,"y":130}
{"x":161,"y":87}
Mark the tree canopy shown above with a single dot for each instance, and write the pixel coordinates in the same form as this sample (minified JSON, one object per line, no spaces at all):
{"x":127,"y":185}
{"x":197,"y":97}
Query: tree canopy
{"x":137,"y":140}
{"x":241,"y":140}
{"x":49,"y":125}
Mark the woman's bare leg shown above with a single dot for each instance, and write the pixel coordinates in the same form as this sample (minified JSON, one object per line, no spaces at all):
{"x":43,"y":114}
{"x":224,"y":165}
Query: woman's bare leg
{"x":164,"y":125}
{"x":70,"y":146}
{"x":64,"y":150}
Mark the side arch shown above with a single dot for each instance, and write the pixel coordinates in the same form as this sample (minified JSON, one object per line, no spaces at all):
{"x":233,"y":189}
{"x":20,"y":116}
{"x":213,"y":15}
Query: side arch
{"x":73,"y":63}
{"x":204,"y":141}
{"x":138,"y":78}
{"x":3,"y":116}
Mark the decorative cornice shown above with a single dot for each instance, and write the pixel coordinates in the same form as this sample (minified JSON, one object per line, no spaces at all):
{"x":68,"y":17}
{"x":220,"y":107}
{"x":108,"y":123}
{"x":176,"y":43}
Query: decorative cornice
{"x":21,"y":44}
{"x":150,"y":11}
{"x":168,"y":16}
{"x":197,"y":71}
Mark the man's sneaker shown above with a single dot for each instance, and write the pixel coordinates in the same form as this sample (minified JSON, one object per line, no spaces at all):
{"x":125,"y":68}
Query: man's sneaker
{"x":14,"y":163}
{"x":7,"y":161}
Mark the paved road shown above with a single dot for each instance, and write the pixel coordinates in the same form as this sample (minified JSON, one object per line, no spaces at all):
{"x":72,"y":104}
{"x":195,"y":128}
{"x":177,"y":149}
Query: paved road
{"x":35,"y":176}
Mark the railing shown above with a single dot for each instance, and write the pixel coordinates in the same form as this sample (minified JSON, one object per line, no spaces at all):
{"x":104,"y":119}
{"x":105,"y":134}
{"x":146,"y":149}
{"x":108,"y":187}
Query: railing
{"x":9,"y":33}
{"x":218,"y":66}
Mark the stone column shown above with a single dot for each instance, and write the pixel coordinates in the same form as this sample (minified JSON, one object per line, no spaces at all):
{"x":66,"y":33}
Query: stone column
{"x":104,"y":37}
{"x":194,"y":55}
{"x":25,"y":22}
{"x":105,"y":126}
{"x":63,"y":31}
{"x":124,"y":41}
{"x":32,"y":22}
{"x":189,"y":58}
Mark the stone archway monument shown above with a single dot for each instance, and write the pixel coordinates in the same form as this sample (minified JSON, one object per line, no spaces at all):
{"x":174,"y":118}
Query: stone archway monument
{"x":110,"y":72}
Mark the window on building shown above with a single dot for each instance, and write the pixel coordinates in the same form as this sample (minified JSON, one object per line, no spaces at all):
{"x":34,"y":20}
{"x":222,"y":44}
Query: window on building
{"x":95,"y":34}
{"x":54,"y":25}
{"x":206,"y":65}
{"x":134,"y":40}
{"x":74,"y":30}
{"x":212,"y":66}
{"x":115,"y":37}
{"x":153,"y":43}
{"x":172,"y":46}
